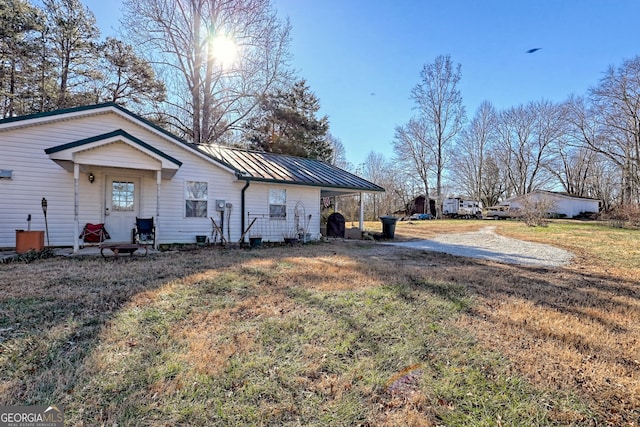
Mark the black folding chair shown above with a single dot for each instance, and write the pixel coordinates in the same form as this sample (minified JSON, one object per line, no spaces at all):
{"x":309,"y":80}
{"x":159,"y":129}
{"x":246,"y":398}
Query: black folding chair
{"x":144,"y":232}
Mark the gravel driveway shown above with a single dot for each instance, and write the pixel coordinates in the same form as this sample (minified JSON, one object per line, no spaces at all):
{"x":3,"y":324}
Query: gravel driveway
{"x":486,"y":244}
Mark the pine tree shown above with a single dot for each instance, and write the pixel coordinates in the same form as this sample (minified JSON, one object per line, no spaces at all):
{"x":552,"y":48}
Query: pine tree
{"x":21,"y":24}
{"x":288,"y":124}
{"x":73,"y":35}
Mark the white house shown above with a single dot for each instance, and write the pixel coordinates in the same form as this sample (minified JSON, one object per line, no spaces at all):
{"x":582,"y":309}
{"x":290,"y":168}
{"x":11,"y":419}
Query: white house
{"x":104,"y":164}
{"x":559,"y":203}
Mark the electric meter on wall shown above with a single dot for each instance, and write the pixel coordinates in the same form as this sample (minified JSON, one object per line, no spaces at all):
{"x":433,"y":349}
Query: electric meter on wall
{"x":220,"y":205}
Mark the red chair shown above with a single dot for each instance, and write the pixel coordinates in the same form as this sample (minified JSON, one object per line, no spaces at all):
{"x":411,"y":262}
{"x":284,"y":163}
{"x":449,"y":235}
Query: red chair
{"x":94,"y":233}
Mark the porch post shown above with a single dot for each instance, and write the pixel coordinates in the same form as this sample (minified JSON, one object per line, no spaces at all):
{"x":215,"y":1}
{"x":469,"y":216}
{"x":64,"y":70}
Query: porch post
{"x":361,"y":217}
{"x":76,"y":206}
{"x":157,"y":222}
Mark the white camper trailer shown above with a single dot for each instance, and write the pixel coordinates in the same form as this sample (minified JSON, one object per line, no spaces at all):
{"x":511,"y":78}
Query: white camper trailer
{"x":457,"y":207}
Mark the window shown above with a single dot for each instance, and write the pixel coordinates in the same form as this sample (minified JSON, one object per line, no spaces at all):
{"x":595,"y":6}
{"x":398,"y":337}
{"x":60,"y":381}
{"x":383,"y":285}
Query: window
{"x":122,"y":196}
{"x":277,"y":204}
{"x":196,"y":199}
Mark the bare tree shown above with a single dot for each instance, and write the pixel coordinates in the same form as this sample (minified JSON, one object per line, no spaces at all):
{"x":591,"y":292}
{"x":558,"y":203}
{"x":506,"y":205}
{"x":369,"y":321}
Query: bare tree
{"x":494,"y":182}
{"x":573,"y":166}
{"x":439,"y":104}
{"x":604,"y":183}
{"x":412,"y":147}
{"x":473,"y":144}
{"x":189,"y":41}
{"x":615,"y":103}
{"x":339,"y":153}
{"x":526,"y":135}
{"x":376,"y":170}
{"x":404,"y":188}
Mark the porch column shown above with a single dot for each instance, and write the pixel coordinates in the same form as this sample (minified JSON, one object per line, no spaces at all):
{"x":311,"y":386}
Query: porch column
{"x":76,"y":206}
{"x":361,"y":216}
{"x":158,"y":182}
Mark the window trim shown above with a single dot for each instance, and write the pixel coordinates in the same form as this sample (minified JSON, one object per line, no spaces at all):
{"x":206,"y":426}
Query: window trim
{"x":283,"y":206}
{"x":188,"y":199}
{"x":122,"y":204}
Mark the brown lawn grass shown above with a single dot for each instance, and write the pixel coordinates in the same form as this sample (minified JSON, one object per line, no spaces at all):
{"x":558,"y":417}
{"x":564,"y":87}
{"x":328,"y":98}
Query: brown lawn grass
{"x":575,"y":327}
{"x":340,"y":333}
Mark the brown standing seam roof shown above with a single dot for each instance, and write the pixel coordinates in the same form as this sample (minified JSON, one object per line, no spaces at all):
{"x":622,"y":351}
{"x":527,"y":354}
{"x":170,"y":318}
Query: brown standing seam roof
{"x":269,"y":167}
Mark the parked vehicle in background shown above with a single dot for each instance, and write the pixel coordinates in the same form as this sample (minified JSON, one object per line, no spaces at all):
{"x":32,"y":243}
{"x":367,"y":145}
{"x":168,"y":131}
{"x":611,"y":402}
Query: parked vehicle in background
{"x":422,"y":216}
{"x":497,"y":212}
{"x":457,"y":207}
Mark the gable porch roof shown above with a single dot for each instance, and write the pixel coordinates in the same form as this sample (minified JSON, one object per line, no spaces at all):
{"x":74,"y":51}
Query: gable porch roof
{"x":65,"y":154}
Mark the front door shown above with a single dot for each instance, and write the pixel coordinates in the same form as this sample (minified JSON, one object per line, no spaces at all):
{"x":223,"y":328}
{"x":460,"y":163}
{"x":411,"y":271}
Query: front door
{"x":121,"y":207}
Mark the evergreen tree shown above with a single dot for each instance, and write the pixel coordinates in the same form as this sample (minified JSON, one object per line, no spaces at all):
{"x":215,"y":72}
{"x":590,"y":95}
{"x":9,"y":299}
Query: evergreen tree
{"x":21,"y":25}
{"x":287,"y":124}
{"x":73,"y":37}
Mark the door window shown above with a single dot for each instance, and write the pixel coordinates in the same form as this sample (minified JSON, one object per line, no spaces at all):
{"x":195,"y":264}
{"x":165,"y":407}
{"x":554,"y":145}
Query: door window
{"x":122,"y":196}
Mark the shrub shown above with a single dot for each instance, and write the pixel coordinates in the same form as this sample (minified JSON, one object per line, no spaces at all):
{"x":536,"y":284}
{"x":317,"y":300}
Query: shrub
{"x":30,"y":256}
{"x":534,"y":211}
{"x":627,"y":216}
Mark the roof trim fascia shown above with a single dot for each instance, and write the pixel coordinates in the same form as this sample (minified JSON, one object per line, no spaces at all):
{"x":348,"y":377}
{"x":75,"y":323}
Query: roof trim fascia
{"x":111,"y":135}
{"x":33,"y":119}
{"x":310,"y":184}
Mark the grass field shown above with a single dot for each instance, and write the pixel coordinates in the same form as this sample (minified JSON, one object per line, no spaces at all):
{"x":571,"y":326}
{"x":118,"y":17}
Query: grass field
{"x":342,"y":333}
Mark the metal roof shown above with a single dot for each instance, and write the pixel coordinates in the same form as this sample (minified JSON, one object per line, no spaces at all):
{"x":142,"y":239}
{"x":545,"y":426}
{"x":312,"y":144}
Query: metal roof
{"x":270,"y":167}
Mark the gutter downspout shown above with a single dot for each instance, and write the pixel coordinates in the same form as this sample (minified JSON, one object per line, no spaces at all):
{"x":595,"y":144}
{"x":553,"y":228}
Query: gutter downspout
{"x":242,"y":204}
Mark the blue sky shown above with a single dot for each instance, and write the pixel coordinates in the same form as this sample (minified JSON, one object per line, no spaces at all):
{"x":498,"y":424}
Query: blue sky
{"x":362,"y":57}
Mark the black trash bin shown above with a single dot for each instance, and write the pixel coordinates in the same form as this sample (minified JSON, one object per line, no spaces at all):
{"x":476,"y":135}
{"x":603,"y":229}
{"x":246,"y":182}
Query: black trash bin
{"x":335,"y":225}
{"x":388,"y":226}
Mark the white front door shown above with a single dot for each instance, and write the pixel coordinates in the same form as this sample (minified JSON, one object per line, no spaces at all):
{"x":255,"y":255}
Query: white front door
{"x":121,"y":207}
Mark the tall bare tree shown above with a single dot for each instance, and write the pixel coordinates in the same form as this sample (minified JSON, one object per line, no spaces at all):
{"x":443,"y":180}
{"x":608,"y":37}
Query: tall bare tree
{"x":494,"y":182}
{"x":473,"y":145}
{"x":615,"y":102}
{"x":339,"y":153}
{"x":412,"y":147}
{"x":190,"y":42}
{"x":573,"y":167}
{"x":439,"y":105}
{"x":585,"y":131}
{"x":526,"y":135}
{"x":375,"y":169}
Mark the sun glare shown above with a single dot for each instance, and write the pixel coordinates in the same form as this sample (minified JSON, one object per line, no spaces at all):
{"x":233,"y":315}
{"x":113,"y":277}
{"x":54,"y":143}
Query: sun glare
{"x":224,"y":50}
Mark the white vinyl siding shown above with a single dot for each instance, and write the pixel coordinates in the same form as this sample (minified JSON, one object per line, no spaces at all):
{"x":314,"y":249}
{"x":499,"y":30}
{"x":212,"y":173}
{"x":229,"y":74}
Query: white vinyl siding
{"x":274,"y":230}
{"x":36,"y":176}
